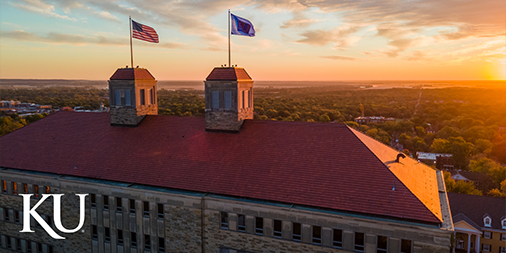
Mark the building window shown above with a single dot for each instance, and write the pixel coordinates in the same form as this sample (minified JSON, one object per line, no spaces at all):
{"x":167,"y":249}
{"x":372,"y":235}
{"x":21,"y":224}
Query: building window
{"x":152,"y":96}
{"x":8,"y":239}
{"x":243,"y":98}
{"x":18,"y":244}
{"x":93,"y":200}
{"x":487,"y":221}
{"x":250,"y":100}
{"x":14,"y":188}
{"x":107,"y":235}
{"x":117,"y":97}
{"x":119,"y":208}
{"x":503,"y":237}
{"x":50,"y":249}
{"x":317,"y":235}
{"x":487,"y":234}
{"x":337,"y":238}
{"x":146,"y":209}
{"x":142,"y":95}
{"x":259,"y":226}
{"x":106,"y":202}
{"x":28,"y":247}
{"x":4,"y":187}
{"x":94,"y":233}
{"x":224,"y":220}
{"x":25,"y":188}
{"x":120,"y":237}
{"x":502,"y":249}
{"x":297,"y":232}
{"x":382,"y":244}
{"x":147,"y":242}
{"x":503,"y":223}
{"x":359,"y":241}
{"x":241,"y":223}
{"x":278,"y":229}
{"x":405,"y":246}
{"x":39,"y":247}
{"x":160,"y":211}
{"x":36,"y":190}
{"x":16,"y":216}
{"x":161,"y":245}
{"x":486,"y":247}
{"x":6,"y":214}
{"x":132,"y":206}
{"x":215,"y":96}
{"x":128,"y":97}
{"x":133,"y":240}
{"x":48,"y":191}
{"x":228,"y":99}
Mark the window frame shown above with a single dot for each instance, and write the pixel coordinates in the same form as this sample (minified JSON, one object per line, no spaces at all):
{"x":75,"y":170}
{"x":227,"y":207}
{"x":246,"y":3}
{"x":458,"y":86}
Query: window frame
{"x":299,"y":235}
{"x":378,"y":249}
{"x":314,"y":239}
{"x":277,"y":233}
{"x":105,"y":201}
{"x":358,"y":247}
{"x":119,"y":205}
{"x":224,"y":220}
{"x":241,"y":227}
{"x":337,"y":244}
{"x":145,"y":212}
{"x":259,"y":230}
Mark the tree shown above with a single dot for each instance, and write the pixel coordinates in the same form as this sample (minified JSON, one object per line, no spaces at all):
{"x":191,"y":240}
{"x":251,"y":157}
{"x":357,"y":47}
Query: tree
{"x":324,"y":118}
{"x":420,"y":131}
{"x":495,"y":193}
{"x":461,"y":151}
{"x":439,"y":146}
{"x":482,"y":146}
{"x":460,"y":186}
{"x":482,"y":165}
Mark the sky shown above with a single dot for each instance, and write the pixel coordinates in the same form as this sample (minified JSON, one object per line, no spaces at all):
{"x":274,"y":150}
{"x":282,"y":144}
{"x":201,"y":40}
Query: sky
{"x":305,"y":40}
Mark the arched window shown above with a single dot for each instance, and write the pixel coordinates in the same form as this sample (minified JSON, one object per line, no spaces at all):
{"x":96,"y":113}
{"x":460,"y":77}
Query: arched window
{"x":503,"y":223}
{"x":487,"y":221}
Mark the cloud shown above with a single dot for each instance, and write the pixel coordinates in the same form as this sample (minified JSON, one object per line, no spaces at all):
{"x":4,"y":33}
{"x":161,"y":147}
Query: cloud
{"x":61,"y":38}
{"x":298,"y":20}
{"x":37,"y":6}
{"x":340,"y":58}
{"x":337,"y":35}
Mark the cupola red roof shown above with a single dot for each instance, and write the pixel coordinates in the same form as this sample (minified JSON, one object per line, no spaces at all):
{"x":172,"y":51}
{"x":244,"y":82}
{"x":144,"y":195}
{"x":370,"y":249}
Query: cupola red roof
{"x":228,"y":74}
{"x":132,"y":74}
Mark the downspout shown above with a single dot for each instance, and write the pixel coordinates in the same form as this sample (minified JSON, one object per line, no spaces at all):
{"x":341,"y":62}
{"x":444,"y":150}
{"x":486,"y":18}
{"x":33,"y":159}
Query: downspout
{"x":202,"y":222}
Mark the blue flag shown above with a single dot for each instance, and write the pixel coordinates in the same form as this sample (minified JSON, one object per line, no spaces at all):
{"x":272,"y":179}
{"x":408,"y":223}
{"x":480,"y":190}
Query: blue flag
{"x":241,"y":26}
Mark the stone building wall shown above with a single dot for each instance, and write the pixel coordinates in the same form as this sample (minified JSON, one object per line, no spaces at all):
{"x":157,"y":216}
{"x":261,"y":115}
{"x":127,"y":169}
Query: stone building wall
{"x":184,"y":228}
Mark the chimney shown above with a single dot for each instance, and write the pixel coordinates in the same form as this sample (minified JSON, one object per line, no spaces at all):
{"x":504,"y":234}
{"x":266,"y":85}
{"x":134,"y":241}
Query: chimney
{"x":132,"y":96}
{"x":229,"y":99}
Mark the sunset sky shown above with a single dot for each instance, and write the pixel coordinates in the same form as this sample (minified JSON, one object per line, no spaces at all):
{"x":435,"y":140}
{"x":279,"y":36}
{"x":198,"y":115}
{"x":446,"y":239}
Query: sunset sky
{"x":295,"y":40}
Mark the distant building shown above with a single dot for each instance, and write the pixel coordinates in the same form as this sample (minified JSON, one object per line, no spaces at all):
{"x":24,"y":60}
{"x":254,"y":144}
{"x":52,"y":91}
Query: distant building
{"x":482,"y":182}
{"x":373,"y":119}
{"x":480,"y":223}
{"x":441,"y":161}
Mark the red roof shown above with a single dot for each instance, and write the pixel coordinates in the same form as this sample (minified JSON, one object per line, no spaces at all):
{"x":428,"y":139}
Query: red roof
{"x":132,"y":74}
{"x":319,"y":165}
{"x":228,"y":74}
{"x":477,"y":207}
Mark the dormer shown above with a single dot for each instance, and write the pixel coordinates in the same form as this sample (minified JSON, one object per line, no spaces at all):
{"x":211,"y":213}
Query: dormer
{"x":503,"y":223}
{"x":487,"y":221}
{"x":132,"y":96}
{"x":229,"y":99}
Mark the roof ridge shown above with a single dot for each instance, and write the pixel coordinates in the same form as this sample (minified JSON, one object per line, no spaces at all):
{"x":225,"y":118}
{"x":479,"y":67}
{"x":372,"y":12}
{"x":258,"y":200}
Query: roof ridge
{"x":353,"y":131}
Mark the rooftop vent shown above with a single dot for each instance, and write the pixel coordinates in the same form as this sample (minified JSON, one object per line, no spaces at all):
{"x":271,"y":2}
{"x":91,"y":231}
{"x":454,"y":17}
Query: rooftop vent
{"x":400,"y":155}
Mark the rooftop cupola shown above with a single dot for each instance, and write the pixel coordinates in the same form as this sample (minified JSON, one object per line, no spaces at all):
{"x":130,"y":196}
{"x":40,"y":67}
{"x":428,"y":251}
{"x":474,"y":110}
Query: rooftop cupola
{"x":132,"y":96}
{"x":229,"y":99}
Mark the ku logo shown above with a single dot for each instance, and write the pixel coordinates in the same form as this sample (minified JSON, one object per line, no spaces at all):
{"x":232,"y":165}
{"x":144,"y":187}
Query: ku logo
{"x":244,"y":27}
{"x":27,"y":212}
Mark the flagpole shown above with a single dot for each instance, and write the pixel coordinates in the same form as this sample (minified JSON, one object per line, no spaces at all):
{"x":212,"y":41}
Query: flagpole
{"x":131,"y":50}
{"x":229,"y":64}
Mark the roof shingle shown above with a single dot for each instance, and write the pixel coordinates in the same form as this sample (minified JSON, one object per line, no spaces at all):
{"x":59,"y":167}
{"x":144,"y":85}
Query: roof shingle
{"x":319,"y":165}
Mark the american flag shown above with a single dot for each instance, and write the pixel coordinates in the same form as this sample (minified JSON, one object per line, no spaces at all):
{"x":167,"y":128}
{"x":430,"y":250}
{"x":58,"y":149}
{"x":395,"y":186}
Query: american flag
{"x":144,"y":32}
